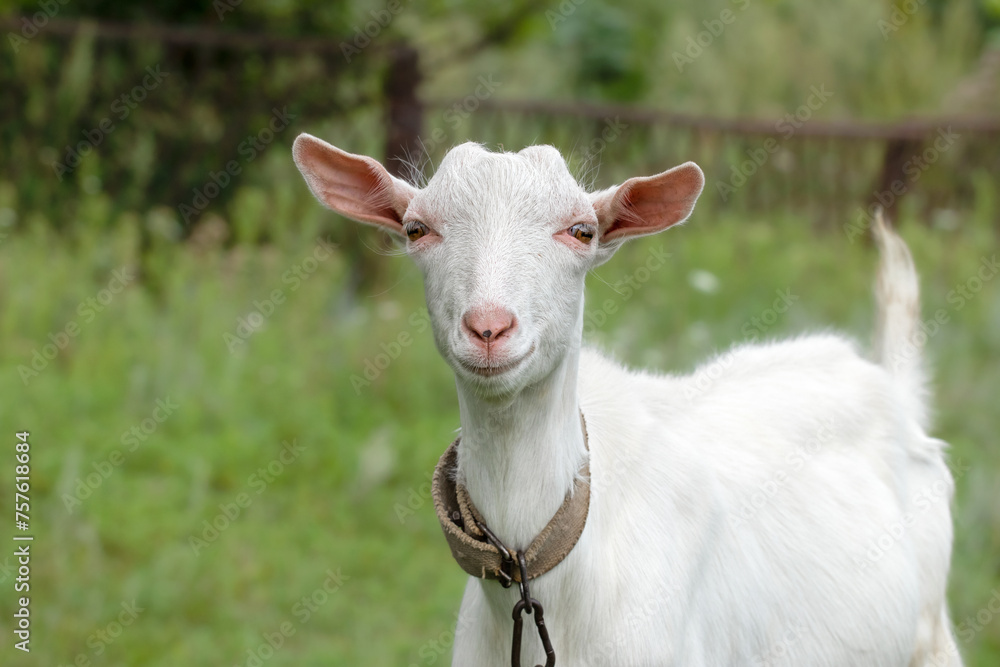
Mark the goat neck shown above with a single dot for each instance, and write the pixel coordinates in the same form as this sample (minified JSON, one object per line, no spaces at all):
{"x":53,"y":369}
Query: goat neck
{"x":518,"y":459}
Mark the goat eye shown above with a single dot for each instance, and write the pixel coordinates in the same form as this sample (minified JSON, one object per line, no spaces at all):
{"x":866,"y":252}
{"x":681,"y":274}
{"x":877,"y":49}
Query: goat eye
{"x":415,"y":230}
{"x":582,"y":232}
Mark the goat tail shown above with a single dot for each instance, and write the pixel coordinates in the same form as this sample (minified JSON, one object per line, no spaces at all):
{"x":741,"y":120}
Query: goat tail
{"x":899,"y":338}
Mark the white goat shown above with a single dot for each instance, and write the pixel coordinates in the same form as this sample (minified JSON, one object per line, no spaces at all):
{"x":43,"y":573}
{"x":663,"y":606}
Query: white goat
{"x":792,"y":511}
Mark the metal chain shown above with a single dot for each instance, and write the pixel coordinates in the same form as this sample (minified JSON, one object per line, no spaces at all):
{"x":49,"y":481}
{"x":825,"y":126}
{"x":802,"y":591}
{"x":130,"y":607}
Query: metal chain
{"x":526,"y":604}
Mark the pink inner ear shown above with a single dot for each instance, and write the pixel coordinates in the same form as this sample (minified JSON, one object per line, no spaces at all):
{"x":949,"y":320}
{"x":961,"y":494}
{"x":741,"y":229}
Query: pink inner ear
{"x":355,"y":186}
{"x":650,"y":204}
{"x":357,"y":189}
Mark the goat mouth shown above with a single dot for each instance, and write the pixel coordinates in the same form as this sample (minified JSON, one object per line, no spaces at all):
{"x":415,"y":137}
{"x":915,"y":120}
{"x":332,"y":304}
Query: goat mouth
{"x":492,"y":369}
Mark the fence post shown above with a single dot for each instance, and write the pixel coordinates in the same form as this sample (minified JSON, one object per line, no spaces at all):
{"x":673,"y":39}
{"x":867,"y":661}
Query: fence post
{"x":892,"y":183}
{"x":404,"y":114}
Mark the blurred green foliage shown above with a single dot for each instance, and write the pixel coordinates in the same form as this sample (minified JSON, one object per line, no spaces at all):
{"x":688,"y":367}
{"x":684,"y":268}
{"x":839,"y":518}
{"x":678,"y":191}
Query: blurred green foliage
{"x":355,"y":501}
{"x":197,"y":284}
{"x":85,"y":121}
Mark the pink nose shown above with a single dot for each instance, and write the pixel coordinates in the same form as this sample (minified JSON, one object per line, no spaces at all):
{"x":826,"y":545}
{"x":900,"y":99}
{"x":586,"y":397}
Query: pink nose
{"x":486,"y":325}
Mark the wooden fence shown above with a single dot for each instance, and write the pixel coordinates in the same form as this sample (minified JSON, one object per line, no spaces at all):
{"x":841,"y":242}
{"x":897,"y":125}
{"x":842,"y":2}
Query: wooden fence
{"x":828,"y":171}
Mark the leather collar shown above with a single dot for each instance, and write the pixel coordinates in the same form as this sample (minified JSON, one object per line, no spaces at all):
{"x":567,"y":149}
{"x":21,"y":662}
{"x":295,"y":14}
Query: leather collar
{"x":472,"y":548}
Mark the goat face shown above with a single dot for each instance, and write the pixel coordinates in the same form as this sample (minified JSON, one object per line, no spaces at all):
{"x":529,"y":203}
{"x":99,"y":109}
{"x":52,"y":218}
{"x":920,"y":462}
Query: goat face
{"x":509,"y":239}
{"x":504,"y":241}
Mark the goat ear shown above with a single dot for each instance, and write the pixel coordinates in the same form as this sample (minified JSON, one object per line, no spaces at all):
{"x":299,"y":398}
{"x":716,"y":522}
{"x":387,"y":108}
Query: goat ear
{"x":648,"y":204}
{"x":356,"y":186}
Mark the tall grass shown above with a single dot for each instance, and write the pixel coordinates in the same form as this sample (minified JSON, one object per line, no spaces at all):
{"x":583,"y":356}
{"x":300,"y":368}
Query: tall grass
{"x":266,"y":341}
{"x":353,"y":504}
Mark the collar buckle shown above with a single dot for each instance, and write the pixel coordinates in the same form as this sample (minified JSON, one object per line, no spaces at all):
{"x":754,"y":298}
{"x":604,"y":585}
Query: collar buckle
{"x":505,"y":575}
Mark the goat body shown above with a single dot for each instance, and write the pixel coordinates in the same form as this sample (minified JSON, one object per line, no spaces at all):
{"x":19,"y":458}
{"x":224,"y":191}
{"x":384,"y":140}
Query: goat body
{"x":782,"y":505}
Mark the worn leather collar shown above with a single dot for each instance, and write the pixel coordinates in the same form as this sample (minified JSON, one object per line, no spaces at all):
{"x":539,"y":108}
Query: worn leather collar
{"x":469,"y":546}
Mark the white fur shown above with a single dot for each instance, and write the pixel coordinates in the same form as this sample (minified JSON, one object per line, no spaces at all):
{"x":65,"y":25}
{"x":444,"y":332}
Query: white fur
{"x":789,"y":511}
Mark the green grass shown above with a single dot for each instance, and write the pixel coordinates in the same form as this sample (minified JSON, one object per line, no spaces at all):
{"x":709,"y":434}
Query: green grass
{"x":342,"y":505}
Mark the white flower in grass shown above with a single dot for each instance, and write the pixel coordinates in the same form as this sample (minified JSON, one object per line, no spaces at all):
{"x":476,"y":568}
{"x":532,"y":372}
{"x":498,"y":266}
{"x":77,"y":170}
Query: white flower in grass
{"x":704,"y":281}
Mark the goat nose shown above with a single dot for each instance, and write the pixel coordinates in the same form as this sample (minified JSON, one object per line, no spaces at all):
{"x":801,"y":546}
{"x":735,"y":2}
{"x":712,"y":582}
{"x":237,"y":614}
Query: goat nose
{"x":488,"y":324}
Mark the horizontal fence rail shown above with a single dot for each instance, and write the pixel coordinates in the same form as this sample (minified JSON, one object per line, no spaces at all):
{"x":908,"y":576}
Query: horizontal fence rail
{"x":829,"y":172}
{"x":902,"y":130}
{"x":172,"y":34}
